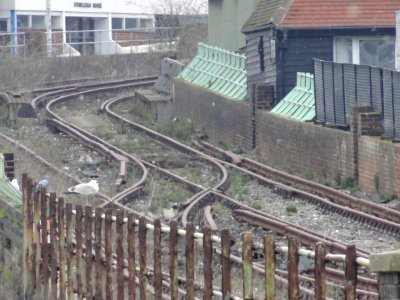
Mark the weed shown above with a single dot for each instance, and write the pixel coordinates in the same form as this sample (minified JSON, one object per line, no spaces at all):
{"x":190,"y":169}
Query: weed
{"x":309,"y":175}
{"x":180,"y":130}
{"x":223,"y":145}
{"x":3,"y":214}
{"x":256,"y":205}
{"x":349,"y":183}
{"x":238,"y":184}
{"x":7,"y":243}
{"x":220,"y":210}
{"x":7,"y":275}
{"x":291,"y":209}
{"x":376,"y":182}
{"x":388,"y":197}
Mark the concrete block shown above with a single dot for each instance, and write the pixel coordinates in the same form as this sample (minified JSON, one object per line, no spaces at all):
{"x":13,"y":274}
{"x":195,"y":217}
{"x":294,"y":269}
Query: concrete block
{"x":385,"y":262}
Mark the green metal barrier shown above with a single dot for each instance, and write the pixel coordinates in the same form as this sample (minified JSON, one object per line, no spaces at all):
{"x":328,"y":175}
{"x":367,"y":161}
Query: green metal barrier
{"x":6,"y":188}
{"x":219,"y":70}
{"x":299,"y":104}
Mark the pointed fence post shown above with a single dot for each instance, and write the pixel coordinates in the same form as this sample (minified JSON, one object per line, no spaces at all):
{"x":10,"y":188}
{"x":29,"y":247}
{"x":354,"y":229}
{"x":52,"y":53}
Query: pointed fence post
{"x":247,"y":258}
{"x":293,"y":269}
{"x":157,"y":260}
{"x":269,"y":254}
{"x":89,"y":254}
{"x":131,"y":238}
{"x":98,"y":250}
{"x":45,"y":252}
{"x":69,"y":258}
{"x":142,"y":258}
{"x":173,"y":254}
{"x":226,"y":264}
{"x":120,"y":254}
{"x":61,"y":250}
{"x":53,"y":246}
{"x":79,"y":250}
{"x":350,"y":273}
{"x":189,"y":261}
{"x":319,"y":271}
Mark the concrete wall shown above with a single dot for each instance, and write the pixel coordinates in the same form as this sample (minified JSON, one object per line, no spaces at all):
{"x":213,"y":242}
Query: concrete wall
{"x":225,"y":21}
{"x":223,"y":119}
{"x":10,"y":252}
{"x":25,"y":74}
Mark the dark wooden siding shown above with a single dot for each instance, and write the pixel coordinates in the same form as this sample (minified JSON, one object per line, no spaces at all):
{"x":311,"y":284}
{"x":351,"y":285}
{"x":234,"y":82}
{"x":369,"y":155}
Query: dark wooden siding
{"x":298,"y":53}
{"x":254,"y":73}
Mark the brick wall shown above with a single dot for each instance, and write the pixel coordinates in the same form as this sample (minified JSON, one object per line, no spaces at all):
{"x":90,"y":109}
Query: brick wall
{"x":222,"y":118}
{"x":304,"y":147}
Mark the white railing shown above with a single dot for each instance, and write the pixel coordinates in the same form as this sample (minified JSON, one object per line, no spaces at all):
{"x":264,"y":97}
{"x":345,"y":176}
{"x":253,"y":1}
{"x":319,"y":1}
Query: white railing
{"x":90,"y":42}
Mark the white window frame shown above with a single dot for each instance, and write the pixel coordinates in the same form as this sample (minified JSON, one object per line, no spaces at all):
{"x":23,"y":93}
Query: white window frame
{"x":356,"y":45}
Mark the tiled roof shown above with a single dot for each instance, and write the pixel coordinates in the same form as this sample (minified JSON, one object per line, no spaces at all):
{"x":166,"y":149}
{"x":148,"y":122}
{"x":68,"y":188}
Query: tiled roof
{"x":341,"y":13}
{"x":267,"y":12}
{"x":316,"y":14}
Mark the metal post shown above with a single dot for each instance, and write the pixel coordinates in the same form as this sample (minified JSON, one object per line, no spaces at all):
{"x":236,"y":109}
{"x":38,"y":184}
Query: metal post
{"x":48,"y":27}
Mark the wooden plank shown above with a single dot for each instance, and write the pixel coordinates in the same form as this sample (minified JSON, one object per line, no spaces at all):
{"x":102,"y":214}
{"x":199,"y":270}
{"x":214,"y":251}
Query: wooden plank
{"x":89,"y":256}
{"x":350,"y":273}
{"x":173,"y":259}
{"x":53,"y":246}
{"x":269,"y":254}
{"x":142,"y":258}
{"x":97,"y":249}
{"x":120,"y":254}
{"x":131,"y":236}
{"x":69,"y":258}
{"x":36,"y":239}
{"x":61,"y":249}
{"x":189,"y":261}
{"x":79,"y":250}
{"x":226,"y":264}
{"x":157,"y":260}
{"x":247,"y":266}
{"x":27,"y":238}
{"x":207,"y":264}
{"x":45,"y":254}
{"x":319,"y":271}
{"x":108,"y":253}
{"x":293,"y":269}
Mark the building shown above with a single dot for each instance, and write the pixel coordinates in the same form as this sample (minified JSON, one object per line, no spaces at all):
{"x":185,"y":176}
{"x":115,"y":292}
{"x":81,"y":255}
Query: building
{"x":225,"y":20}
{"x":81,"y":26}
{"x":283,"y":37}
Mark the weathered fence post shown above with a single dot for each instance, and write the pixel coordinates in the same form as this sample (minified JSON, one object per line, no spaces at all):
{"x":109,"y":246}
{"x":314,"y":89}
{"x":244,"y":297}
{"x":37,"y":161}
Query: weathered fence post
{"x":27,"y":235}
{"x":207,"y":264}
{"x":173,"y":256}
{"x":68,"y":235}
{"x":319,"y":271}
{"x":142,"y":258}
{"x":131,"y":236}
{"x":108,"y":253}
{"x":97,"y":249}
{"x":89,"y":255}
{"x":269,"y":254}
{"x":350,"y":273}
{"x":53,"y":246}
{"x":36,"y":238}
{"x":293,"y":269}
{"x":387,"y":265}
{"x":157,"y":260}
{"x":189,"y":261}
{"x":247,"y":266}
{"x":79,"y":250}
{"x":226,"y":264}
{"x":45,"y":252}
{"x":120,"y":254}
{"x":61,"y":250}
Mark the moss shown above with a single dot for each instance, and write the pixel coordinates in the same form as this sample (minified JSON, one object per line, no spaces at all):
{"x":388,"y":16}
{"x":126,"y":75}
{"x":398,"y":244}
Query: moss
{"x":3,"y":214}
{"x":291,"y":209}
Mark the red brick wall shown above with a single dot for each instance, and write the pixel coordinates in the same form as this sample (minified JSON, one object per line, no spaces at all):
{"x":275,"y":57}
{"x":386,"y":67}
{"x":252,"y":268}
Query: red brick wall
{"x":378,"y":160}
{"x":222,"y":118}
{"x":304,"y":147}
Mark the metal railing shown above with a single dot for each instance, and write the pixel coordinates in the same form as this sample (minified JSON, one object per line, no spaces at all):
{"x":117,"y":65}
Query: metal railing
{"x":88,"y":42}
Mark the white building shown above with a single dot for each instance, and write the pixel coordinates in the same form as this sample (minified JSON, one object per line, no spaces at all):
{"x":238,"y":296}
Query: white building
{"x":78,"y":26}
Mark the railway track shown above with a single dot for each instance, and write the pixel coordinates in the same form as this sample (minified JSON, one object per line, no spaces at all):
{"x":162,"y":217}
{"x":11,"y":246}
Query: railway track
{"x":203,"y":196}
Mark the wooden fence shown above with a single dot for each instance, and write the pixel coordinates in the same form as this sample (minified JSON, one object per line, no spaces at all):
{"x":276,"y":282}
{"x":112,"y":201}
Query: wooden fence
{"x":92,"y":253}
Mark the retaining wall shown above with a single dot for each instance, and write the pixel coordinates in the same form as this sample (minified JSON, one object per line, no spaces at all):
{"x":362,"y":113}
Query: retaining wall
{"x":222,"y":118}
{"x":301,"y":147}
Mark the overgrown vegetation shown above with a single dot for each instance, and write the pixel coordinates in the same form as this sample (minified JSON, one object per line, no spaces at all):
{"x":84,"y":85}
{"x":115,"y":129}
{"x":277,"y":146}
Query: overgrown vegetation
{"x":349,"y":183}
{"x":291,"y":209}
{"x":237,"y":184}
{"x":180,"y":130}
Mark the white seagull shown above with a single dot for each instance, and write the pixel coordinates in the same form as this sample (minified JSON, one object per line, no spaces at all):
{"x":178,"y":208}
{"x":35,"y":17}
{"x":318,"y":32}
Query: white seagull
{"x":15,"y":184}
{"x":42,"y":184}
{"x":88,"y":189}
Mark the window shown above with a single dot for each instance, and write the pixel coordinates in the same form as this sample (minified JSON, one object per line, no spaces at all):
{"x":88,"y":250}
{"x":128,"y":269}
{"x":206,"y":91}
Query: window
{"x":261,"y":53}
{"x":116,"y":23}
{"x":23,"y":21}
{"x":374,"y":51}
{"x":3,"y":25}
{"x":38,"y":22}
{"x":146,"y":23}
{"x":131,"y":23}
